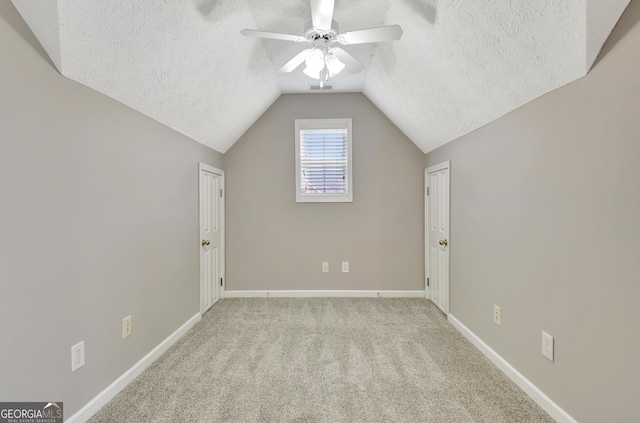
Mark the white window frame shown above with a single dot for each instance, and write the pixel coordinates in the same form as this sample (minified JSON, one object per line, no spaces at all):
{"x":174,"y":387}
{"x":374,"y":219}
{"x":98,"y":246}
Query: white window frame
{"x":320,"y":124}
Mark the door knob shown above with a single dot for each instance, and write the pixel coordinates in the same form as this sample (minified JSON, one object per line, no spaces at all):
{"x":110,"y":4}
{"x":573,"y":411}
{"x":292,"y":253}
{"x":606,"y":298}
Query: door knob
{"x":443,"y":242}
{"x":205,"y":242}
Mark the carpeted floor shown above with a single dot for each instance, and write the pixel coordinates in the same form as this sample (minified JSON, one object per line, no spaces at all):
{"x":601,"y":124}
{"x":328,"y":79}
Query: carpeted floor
{"x":322,"y":360}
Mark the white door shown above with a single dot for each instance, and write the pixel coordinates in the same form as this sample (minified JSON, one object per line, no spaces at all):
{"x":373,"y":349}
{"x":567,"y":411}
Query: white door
{"x":437,"y":235}
{"x":211,"y":235}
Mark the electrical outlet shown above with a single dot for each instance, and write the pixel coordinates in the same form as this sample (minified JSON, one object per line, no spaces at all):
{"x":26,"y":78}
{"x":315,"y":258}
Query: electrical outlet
{"x":345,"y":267}
{"x":77,"y":356}
{"x":547,"y":345}
{"x":126,"y":327}
{"x":325,"y":267}
{"x":497,"y":315}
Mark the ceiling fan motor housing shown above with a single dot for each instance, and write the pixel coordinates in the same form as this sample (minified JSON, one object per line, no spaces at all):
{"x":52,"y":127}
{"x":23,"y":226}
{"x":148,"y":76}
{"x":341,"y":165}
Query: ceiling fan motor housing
{"x":320,"y":38}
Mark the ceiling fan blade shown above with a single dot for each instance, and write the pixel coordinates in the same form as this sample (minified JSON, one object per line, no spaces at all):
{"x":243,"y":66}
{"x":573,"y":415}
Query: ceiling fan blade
{"x":296,"y":61}
{"x":373,"y":35}
{"x":352,"y":64}
{"x":322,"y":14}
{"x":272,"y":35}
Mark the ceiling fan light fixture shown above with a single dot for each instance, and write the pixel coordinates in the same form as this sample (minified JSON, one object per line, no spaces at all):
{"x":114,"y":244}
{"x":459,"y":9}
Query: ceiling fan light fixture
{"x":312,"y":73}
{"x":315,"y":60}
{"x":334,"y":65}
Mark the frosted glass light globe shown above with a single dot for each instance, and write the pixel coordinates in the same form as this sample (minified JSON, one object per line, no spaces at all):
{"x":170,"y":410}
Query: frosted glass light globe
{"x":334,"y":65}
{"x":315,"y":60}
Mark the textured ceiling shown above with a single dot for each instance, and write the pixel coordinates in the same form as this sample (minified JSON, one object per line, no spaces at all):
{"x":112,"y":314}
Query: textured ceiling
{"x":459,"y":65}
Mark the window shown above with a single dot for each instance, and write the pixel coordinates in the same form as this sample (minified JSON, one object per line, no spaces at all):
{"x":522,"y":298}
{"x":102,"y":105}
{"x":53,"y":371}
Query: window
{"x":323,"y":160}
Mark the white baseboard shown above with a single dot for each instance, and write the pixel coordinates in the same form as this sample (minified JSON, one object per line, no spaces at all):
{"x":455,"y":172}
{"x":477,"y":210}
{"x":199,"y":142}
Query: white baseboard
{"x":557,"y":413}
{"x":322,"y":293}
{"x":112,"y":390}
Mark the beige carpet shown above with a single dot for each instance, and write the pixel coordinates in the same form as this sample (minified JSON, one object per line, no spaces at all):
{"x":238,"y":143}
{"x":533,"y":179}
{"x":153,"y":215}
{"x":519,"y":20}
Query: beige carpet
{"x":322,"y":360}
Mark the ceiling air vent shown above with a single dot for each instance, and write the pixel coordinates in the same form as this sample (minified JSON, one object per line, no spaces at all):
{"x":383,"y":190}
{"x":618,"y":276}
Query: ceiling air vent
{"x":317,"y":87}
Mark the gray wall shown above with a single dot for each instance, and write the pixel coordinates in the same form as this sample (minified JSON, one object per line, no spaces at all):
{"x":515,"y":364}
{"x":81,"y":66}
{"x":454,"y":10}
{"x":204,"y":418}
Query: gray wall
{"x":274,"y":243}
{"x":99,"y":220}
{"x":545,"y":222}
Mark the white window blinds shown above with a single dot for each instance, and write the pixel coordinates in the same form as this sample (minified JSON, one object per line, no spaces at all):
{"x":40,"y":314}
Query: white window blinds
{"x":323,"y":160}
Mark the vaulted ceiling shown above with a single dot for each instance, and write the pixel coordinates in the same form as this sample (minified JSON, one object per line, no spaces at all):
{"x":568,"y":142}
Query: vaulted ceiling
{"x":459,"y":64}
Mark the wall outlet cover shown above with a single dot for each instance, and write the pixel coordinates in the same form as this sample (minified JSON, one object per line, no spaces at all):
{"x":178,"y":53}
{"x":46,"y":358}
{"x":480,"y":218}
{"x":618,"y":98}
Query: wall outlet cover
{"x":126,"y":327}
{"x":547,"y":346}
{"x":497,"y":315}
{"x":77,"y":356}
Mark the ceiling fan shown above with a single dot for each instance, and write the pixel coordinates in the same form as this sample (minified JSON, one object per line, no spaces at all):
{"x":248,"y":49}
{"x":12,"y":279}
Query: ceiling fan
{"x":323,"y":60}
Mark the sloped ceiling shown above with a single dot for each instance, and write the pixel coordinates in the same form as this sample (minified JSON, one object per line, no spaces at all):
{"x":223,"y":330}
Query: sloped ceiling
{"x":459,"y":65}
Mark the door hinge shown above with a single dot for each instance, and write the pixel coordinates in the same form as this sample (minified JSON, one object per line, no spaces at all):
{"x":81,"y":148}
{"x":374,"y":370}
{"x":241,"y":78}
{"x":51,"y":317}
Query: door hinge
{"x":427,"y":190}
{"x":427,"y":281}
{"x":220,"y":192}
{"x":220,"y":281}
